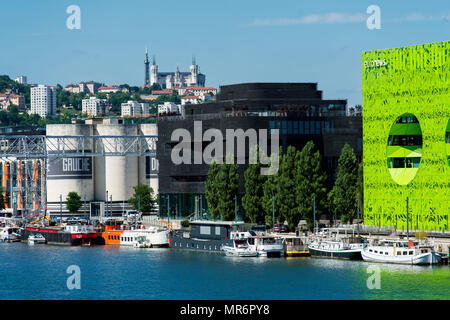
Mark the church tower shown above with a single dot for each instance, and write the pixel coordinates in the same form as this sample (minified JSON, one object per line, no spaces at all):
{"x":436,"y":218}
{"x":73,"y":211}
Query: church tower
{"x":153,"y":72}
{"x":146,"y":63}
{"x":194,"y":73}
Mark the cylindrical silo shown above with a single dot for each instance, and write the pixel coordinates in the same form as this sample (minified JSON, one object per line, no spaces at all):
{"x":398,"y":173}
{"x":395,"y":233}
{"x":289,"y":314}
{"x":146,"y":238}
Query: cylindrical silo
{"x":68,"y":174}
{"x":116,"y":175}
{"x":148,"y":166}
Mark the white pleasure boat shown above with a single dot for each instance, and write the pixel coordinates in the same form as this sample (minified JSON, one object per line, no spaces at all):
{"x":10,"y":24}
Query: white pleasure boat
{"x":266,"y":246}
{"x":9,"y":234}
{"x":240,"y":248}
{"x":400,"y":251}
{"x":36,"y":239}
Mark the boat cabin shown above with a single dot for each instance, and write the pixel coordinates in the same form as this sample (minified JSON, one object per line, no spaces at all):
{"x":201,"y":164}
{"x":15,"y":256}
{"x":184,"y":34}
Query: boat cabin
{"x":215,"y":230}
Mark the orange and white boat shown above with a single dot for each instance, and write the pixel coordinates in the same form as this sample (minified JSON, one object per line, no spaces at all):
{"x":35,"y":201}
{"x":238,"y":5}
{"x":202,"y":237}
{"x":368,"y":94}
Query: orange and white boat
{"x":112,"y":231}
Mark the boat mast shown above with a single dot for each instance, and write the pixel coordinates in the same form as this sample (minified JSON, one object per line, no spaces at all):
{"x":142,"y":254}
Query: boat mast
{"x":407,"y":219}
{"x":357,"y":214}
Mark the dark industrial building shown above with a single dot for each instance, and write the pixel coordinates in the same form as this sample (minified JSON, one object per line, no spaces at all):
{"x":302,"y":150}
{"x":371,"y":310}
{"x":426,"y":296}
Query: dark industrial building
{"x":296,"y":109}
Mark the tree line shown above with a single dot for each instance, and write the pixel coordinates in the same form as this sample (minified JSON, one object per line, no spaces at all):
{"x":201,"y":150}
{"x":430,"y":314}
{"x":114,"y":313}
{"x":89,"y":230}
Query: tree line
{"x":293,"y":191}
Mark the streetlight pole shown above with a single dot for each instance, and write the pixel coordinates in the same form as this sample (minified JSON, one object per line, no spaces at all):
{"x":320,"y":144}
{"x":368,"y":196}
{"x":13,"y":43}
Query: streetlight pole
{"x":60,"y":208}
{"x":106,"y":203}
{"x":139,"y":203}
{"x":235,"y":207}
{"x":273,"y":211}
{"x":407,"y":219}
{"x":201,"y":207}
{"x":357,"y":213}
{"x":314,"y":214}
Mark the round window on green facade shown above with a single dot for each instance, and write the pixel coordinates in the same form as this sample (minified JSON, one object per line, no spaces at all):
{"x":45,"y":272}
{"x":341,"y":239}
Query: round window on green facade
{"x":404,"y":149}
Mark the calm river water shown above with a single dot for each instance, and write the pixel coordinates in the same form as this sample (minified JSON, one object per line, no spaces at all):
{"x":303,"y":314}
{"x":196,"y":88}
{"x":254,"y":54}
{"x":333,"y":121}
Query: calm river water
{"x":39,"y":272}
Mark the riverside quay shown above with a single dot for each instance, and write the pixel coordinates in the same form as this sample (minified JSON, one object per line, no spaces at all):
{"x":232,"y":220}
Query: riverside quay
{"x":297,"y":110}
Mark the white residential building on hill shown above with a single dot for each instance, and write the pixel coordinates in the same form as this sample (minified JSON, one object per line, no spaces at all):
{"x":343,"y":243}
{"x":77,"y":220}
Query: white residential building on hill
{"x":95,"y":106}
{"x":134,"y":108}
{"x":43,"y":101}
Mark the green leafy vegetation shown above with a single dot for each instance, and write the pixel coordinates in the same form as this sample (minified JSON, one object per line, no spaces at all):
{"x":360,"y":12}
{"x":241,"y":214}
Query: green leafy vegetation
{"x":143,"y":198}
{"x":73,"y":202}
{"x":343,"y":195}
{"x":221,"y":189}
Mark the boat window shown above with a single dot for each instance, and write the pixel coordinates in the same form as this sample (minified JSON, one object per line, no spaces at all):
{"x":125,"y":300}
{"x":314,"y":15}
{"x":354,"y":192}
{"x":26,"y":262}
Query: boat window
{"x":399,"y":253}
{"x":205,"y":230}
{"x":268,"y":241}
{"x":386,"y":253}
{"x":376,"y":251}
{"x":411,"y":253}
{"x":405,"y":253}
{"x":370,"y":250}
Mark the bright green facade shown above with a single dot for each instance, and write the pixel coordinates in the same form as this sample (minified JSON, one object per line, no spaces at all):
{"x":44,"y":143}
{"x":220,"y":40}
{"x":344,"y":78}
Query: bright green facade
{"x":404,"y":158}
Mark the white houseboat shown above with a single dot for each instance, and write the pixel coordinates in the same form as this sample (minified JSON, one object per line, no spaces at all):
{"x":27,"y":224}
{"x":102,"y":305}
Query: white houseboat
{"x":151,"y":237}
{"x":400,"y":251}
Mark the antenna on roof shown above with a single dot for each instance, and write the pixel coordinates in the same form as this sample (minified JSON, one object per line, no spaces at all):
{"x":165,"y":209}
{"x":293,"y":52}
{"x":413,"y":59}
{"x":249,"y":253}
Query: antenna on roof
{"x":193,"y":60}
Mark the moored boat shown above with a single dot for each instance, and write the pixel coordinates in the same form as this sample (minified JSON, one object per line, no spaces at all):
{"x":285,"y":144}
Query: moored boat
{"x":74,"y":232}
{"x":36,"y":239}
{"x":266,"y":246}
{"x":9,"y":234}
{"x":333,"y":249}
{"x":152,"y":237}
{"x":112,"y":231}
{"x":240,"y":248}
{"x":337,"y":245}
{"x":400,"y":252}
{"x":295,"y":246}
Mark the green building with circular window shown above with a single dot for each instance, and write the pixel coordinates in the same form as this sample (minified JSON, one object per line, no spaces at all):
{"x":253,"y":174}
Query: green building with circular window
{"x":406,"y":136}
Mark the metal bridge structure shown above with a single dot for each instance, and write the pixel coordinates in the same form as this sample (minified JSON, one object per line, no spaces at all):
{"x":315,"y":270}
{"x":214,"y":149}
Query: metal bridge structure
{"x":45,"y":149}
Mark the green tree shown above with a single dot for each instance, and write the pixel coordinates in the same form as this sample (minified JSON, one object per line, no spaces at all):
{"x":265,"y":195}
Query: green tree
{"x":143,"y":198}
{"x":360,"y":186}
{"x":73,"y":202}
{"x":211,"y":190}
{"x":254,"y":183}
{"x":310,"y":182}
{"x":270,"y":189}
{"x":343,"y":195}
{"x":285,"y":187}
{"x":227,"y":184}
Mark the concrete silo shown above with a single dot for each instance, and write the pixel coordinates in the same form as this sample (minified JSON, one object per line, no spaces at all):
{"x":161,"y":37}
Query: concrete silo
{"x":148,"y":166}
{"x":67,"y":174}
{"x":115,"y":175}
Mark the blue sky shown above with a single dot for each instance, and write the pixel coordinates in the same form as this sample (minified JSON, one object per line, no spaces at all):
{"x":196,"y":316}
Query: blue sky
{"x":234,"y":41}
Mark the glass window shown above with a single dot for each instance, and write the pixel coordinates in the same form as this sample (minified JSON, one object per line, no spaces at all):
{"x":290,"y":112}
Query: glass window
{"x":284,"y":128}
{"x":218,"y":231}
{"x":306,"y":127}
{"x":318,"y":130}
{"x":289,"y":127}
{"x":205,"y":230}
{"x":301,"y":127}
{"x":295,"y":127}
